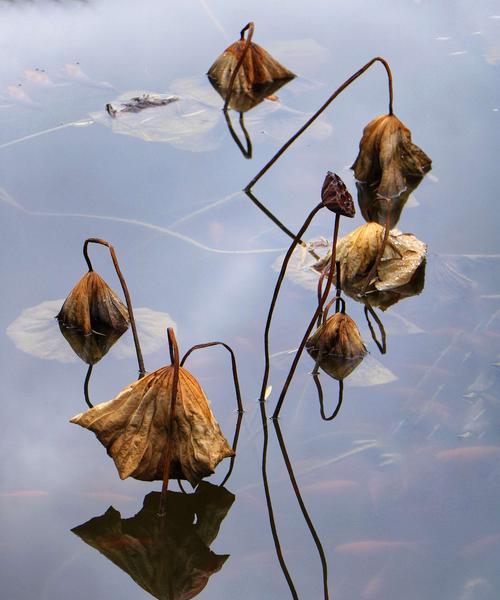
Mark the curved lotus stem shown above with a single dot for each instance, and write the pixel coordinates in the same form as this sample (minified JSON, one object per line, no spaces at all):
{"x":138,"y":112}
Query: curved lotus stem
{"x":239,"y":402}
{"x":269,"y":503}
{"x":321,"y":400}
{"x":86,"y":387}
{"x":247,"y":153}
{"x":123,"y":283}
{"x":310,"y":525}
{"x":338,"y":291}
{"x":277,"y":288}
{"x":310,"y":327}
{"x":339,"y":302}
{"x":336,"y":93}
{"x":382,"y":345}
{"x":250,"y":27}
{"x":174,"y":358}
{"x":233,"y":367}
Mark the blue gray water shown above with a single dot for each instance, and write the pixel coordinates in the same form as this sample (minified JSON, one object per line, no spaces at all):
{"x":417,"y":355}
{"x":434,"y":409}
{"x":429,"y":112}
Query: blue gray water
{"x":403,"y":486}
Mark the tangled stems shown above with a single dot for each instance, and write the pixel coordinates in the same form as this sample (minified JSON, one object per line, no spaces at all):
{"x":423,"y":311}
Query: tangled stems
{"x":336,"y":93}
{"x":174,"y":359}
{"x":277,"y":288}
{"x":250,"y":27}
{"x":310,"y":327}
{"x":140,"y":360}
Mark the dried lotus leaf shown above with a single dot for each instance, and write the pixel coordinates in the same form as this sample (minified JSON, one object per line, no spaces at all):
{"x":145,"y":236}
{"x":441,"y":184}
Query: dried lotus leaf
{"x":133,"y":428}
{"x":338,"y":336}
{"x":387,"y":156}
{"x":93,"y":306}
{"x":258,"y":68}
{"x":91,"y":347}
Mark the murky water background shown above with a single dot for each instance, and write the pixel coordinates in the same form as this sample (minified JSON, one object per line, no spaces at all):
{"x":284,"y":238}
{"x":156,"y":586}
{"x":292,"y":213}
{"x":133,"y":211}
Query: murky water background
{"x":403,"y":486}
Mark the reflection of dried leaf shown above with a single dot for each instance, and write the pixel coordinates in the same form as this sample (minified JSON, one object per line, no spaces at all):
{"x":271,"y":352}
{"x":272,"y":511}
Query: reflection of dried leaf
{"x":93,"y":346}
{"x":170,"y":559}
{"x":93,"y":306}
{"x":258,"y":68}
{"x":244,"y":101}
{"x":387,"y":156}
{"x":133,"y":428}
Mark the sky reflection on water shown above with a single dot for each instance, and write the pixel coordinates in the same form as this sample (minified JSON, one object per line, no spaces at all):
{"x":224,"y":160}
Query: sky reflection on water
{"x":402,"y":486}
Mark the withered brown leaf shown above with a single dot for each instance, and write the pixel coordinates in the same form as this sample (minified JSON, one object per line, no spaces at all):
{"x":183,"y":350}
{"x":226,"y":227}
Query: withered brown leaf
{"x":387,"y":156}
{"x":93,"y":306}
{"x":133,"y":428}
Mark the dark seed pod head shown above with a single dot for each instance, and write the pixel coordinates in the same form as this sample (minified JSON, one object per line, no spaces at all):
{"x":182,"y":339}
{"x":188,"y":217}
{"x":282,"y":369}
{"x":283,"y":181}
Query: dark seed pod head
{"x":336,"y":197}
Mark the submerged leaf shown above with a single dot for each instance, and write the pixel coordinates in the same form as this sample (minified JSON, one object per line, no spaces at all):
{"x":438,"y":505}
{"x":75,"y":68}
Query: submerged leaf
{"x":133,"y":428}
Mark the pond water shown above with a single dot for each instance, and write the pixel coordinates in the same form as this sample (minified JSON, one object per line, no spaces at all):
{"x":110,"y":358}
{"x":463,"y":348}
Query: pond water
{"x":402,"y":486}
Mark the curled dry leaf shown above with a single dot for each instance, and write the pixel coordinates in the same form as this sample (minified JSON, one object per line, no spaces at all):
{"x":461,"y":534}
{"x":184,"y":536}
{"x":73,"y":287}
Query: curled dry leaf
{"x":387,"y":156}
{"x":258,"y":69}
{"x":93,"y":306}
{"x":337,"y":346}
{"x":133,"y":428}
{"x":90,"y":347}
{"x":357,"y":252}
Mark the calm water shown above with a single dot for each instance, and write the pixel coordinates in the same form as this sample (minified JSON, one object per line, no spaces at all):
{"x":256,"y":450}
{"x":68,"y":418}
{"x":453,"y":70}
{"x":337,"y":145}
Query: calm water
{"x":403,"y":486}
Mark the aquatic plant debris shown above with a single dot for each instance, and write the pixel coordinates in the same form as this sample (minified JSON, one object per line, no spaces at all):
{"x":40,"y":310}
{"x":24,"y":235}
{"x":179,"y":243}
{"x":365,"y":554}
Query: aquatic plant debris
{"x":387,"y":156}
{"x":138,"y":430}
{"x":138,"y":103}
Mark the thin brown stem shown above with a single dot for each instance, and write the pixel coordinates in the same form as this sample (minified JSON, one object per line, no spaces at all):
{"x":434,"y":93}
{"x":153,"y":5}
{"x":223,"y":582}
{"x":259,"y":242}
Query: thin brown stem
{"x":250,"y":28}
{"x":321,"y":398}
{"x":234,"y":446}
{"x":174,"y":357}
{"x":277,"y":288}
{"x":269,"y":503}
{"x":307,"y":518}
{"x":86,"y":387}
{"x":318,"y":311}
{"x":247,"y":152}
{"x":309,"y":122}
{"x":234,"y":368}
{"x":382,"y":345}
{"x":123,"y":283}
{"x":338,"y":286}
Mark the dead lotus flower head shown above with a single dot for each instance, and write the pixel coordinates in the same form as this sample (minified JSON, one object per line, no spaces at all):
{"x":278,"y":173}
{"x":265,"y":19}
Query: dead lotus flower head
{"x":92,"y":306}
{"x":337,"y":345}
{"x":160,"y":427}
{"x":258,"y":67}
{"x":387,"y":156}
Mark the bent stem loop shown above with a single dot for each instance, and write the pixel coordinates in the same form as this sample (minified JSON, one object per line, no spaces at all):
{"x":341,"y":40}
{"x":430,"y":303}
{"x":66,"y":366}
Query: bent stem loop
{"x":382,"y":345}
{"x":310,"y":327}
{"x":336,"y":93}
{"x":123,"y":283}
{"x":174,"y":358}
{"x":338,"y":292}
{"x":321,"y":400}
{"x":305,"y":514}
{"x":233,"y":367}
{"x":86,"y":387}
{"x":335,"y":300}
{"x":247,"y":152}
{"x":277,"y":288}
{"x":250,"y":27}
{"x":239,"y":402}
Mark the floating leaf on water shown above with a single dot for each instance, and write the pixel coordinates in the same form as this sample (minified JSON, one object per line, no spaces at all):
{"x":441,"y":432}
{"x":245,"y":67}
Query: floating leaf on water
{"x":370,"y":372}
{"x":169,"y":559}
{"x":133,"y":428}
{"x":35,"y":332}
{"x":387,"y":156}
